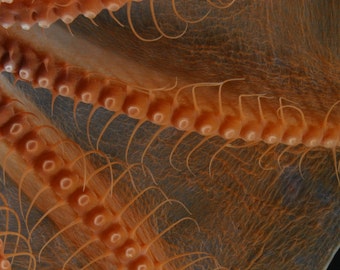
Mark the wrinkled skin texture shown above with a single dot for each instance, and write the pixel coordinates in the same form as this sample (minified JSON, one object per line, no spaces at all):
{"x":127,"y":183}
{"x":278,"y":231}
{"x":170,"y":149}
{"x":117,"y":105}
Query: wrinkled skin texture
{"x":254,"y":211}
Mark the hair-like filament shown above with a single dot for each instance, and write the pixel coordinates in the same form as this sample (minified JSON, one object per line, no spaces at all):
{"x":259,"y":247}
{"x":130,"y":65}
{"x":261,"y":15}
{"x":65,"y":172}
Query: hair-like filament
{"x":92,"y":239}
{"x":204,"y":140}
{"x":222,"y":6}
{"x":148,"y":245}
{"x":157,"y":133}
{"x":226,"y":144}
{"x":112,"y":118}
{"x":103,"y":256}
{"x":32,"y":262}
{"x":23,"y":176}
{"x":153,"y":14}
{"x":197,"y":260}
{"x":9,"y":210}
{"x":179,"y":141}
{"x":135,"y":129}
{"x":59,"y":204}
{"x":72,"y":224}
{"x":152,"y":212}
{"x":325,"y":121}
{"x":187,"y":20}
{"x":116,"y":181}
{"x":129,"y":6}
{"x":33,"y":201}
{"x":139,"y":195}
{"x":186,"y":254}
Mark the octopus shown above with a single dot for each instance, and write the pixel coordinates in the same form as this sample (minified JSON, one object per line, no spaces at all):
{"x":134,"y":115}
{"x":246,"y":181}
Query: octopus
{"x":168,"y":134}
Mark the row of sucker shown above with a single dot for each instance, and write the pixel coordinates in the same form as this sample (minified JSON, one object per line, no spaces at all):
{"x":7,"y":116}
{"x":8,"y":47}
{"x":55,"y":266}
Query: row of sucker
{"x":45,"y":13}
{"x":114,"y":95}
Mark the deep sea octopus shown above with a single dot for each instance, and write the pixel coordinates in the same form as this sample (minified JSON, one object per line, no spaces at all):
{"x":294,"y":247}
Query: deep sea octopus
{"x":167,"y":134}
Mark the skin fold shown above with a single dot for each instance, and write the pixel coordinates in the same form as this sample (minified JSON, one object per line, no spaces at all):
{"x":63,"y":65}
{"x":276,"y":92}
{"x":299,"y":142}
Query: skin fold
{"x":254,"y":205}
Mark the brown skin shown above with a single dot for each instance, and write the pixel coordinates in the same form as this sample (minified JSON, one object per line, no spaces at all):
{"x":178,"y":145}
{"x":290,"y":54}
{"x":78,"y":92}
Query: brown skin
{"x":279,"y":209}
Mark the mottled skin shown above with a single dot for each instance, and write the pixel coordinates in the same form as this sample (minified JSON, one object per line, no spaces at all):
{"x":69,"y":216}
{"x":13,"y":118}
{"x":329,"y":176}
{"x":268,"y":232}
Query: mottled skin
{"x":254,"y":211}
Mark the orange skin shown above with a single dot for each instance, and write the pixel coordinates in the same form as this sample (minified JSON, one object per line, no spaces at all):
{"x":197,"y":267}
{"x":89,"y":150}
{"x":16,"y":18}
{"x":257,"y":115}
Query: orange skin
{"x":217,"y":81}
